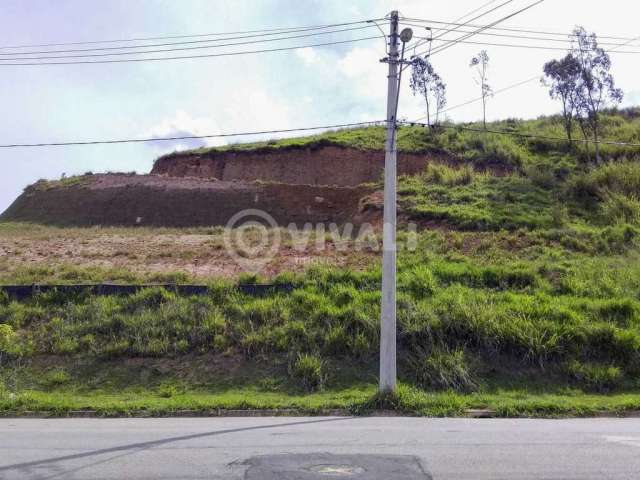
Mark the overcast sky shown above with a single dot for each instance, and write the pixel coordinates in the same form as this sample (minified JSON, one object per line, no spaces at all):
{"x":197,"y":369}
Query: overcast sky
{"x":315,"y":86}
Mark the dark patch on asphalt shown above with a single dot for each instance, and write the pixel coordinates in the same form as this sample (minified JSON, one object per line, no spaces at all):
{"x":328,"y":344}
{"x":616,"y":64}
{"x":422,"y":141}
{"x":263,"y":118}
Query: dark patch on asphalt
{"x":325,"y":466}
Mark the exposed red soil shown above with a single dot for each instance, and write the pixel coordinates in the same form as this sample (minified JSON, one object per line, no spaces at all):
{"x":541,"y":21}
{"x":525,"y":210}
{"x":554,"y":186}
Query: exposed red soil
{"x":326,"y":165}
{"x":154,"y":200}
{"x":321,"y":184}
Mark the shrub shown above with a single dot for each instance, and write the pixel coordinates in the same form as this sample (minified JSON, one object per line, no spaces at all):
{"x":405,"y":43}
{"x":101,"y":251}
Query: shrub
{"x":617,"y":208}
{"x":147,"y":298}
{"x":419,"y":281}
{"x":449,"y":176}
{"x":308,"y":371}
{"x":595,"y":377}
{"x":484,"y":148}
{"x":168,"y":390}
{"x":619,"y":238}
{"x":617,"y":185}
{"x":56,"y":377}
{"x":442,"y":369}
{"x":8,"y":341}
{"x":541,"y":175}
{"x":623,"y":312}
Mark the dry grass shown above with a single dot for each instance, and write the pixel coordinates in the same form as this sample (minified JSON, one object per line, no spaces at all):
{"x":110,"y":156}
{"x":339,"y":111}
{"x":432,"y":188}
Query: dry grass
{"x":198,"y":253}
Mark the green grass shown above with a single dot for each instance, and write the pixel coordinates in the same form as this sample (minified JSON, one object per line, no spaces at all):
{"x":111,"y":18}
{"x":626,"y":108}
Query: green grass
{"x":523,"y":296}
{"x":565,"y":326}
{"x":477,"y":147}
{"x":110,"y":388}
{"x":480,"y":203}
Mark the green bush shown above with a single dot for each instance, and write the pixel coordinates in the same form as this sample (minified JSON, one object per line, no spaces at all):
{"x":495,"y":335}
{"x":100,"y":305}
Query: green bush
{"x":56,"y":377}
{"x":147,"y":298}
{"x":449,"y":176}
{"x":595,"y":377}
{"x":620,"y":208}
{"x":169,"y":390}
{"x":614,"y":177}
{"x":486,"y":149}
{"x":308,"y":371}
{"x":442,"y":369}
{"x":419,"y":281}
{"x":8,"y":341}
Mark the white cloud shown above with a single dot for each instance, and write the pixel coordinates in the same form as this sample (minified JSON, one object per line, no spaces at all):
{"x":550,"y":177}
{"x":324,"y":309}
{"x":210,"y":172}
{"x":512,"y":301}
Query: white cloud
{"x":256,"y":109}
{"x":366,"y":75}
{"x":183,"y":124}
{"x":308,"y":55}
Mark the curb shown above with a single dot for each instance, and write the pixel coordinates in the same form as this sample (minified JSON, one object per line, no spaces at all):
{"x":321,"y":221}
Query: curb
{"x":236,"y":413}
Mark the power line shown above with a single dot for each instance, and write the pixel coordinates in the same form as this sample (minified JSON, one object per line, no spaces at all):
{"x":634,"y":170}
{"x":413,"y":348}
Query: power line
{"x":517,"y":30}
{"x":11,"y":56}
{"x":456,"y":25}
{"x":525,"y":37}
{"x":188,"y":48}
{"x":464,"y":37}
{"x":527,"y":135}
{"x":473,"y":11}
{"x":224,"y":54}
{"x":475,"y":100}
{"x":283,"y":30}
{"x":190,"y":137}
{"x":528,"y":47}
{"x":510,"y":87}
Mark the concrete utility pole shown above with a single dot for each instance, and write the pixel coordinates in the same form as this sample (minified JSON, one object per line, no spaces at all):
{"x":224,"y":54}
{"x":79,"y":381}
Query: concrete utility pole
{"x":388,"y":314}
{"x":388,"y":372}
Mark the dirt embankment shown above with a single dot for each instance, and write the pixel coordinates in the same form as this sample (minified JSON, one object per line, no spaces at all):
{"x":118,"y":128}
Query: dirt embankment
{"x":325,"y":165}
{"x":319,"y":184}
{"x":153,"y":200}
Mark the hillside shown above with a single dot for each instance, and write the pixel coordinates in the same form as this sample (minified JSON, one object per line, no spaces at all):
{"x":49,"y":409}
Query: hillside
{"x":522,"y":296}
{"x":162,"y":201}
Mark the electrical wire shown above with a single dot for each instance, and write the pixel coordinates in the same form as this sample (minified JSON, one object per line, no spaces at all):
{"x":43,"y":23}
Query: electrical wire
{"x":382,"y":34}
{"x":529,"y":47}
{"x":183,"y":48}
{"x":11,"y":56}
{"x":519,"y":30}
{"x":282,"y":30}
{"x":471,"y":12}
{"x":456,"y":26}
{"x":511,"y":87}
{"x":191,"y":137}
{"x":475,"y":100}
{"x":224,"y":54}
{"x":526,"y":135}
{"x":465,"y":37}
{"x":474,"y":18}
{"x":524,"y":37}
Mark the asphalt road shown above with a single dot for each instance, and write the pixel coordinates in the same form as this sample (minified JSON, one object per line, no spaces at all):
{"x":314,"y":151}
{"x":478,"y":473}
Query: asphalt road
{"x":319,"y":448}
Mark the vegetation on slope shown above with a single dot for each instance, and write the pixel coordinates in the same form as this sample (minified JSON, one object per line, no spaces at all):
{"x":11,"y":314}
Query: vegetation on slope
{"x":476,"y":147}
{"x":522,"y":296}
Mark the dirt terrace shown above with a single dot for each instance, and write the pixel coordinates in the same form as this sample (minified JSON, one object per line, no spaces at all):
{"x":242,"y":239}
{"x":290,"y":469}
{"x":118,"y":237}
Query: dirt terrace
{"x":199,"y":253}
{"x":326,"y":165}
{"x":154,"y":200}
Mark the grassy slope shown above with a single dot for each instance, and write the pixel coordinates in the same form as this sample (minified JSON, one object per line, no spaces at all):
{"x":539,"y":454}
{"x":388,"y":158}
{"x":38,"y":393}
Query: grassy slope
{"x":475,"y":147}
{"x":522,"y":296}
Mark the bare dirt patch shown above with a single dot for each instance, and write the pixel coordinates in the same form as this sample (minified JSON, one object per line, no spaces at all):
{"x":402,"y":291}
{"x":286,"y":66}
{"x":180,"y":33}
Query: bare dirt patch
{"x":146,"y":252}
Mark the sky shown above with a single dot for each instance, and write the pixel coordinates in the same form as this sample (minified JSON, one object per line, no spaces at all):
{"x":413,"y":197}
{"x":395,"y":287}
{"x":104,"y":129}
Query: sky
{"x":278,"y":90}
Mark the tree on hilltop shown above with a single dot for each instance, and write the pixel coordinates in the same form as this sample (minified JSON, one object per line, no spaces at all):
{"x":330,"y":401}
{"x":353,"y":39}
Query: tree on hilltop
{"x":427,"y":83}
{"x":561,"y":76}
{"x":481,"y":64}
